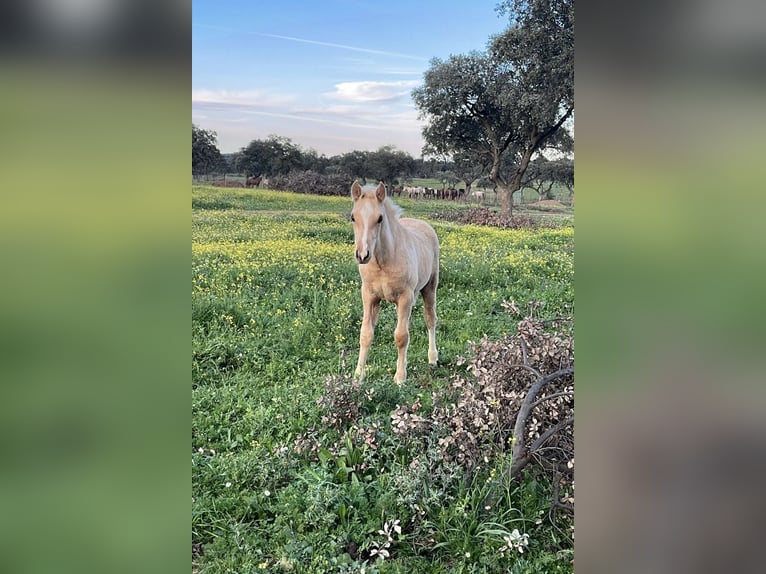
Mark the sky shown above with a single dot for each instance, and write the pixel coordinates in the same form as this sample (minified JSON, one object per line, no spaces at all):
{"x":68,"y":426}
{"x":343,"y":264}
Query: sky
{"x":331,"y":75}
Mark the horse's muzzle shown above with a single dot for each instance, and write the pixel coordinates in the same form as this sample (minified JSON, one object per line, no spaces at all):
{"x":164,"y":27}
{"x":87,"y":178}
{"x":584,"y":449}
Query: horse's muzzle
{"x":362,"y":260}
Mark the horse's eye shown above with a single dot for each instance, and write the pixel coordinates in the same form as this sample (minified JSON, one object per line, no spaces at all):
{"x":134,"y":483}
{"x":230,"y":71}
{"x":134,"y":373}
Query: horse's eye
{"x":380,"y":219}
{"x":352,"y":218}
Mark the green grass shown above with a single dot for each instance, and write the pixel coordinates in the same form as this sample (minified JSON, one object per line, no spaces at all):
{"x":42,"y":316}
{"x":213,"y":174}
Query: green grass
{"x":276,"y":308}
{"x":210,"y":198}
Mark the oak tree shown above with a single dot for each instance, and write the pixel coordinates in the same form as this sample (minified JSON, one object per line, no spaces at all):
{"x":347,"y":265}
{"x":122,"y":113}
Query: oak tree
{"x":509,"y":102}
{"x":206,"y":157}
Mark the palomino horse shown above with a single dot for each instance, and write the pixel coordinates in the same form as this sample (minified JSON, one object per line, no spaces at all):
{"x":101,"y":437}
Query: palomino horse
{"x":397,"y":259}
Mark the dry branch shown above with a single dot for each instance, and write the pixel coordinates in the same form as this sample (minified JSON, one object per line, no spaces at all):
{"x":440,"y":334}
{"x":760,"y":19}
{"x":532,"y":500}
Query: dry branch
{"x":520,"y":454}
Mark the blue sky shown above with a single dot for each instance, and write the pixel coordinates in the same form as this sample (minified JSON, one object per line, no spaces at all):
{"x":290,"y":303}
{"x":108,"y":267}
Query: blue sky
{"x":331,"y":75}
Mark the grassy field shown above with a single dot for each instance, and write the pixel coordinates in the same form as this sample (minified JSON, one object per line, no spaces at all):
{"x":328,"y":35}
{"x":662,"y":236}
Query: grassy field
{"x":296,"y":470}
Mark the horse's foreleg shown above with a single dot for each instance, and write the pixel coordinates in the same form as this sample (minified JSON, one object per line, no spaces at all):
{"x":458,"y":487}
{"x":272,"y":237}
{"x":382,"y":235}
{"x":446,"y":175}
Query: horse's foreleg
{"x":367,"y":332}
{"x":429,"y":310}
{"x":402,"y":335}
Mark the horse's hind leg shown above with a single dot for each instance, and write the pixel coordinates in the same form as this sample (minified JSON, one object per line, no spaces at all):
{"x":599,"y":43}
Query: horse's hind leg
{"x":429,"y":310}
{"x":367,"y":331}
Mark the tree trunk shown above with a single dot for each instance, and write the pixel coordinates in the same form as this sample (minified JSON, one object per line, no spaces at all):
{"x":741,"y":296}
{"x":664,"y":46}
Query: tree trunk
{"x":548,"y":192}
{"x":515,"y":184}
{"x":506,"y":201}
{"x":499,"y":183}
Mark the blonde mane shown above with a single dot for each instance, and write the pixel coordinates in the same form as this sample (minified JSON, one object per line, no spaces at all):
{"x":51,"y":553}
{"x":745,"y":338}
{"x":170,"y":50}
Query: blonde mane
{"x":392,"y":209}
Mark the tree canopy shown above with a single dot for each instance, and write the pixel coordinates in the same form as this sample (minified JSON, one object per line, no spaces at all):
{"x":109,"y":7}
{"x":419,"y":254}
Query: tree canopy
{"x":206,"y":157}
{"x":279,"y":156}
{"x":388,"y":164}
{"x":508,"y":102}
{"x":542,"y":174}
{"x":273,"y":156}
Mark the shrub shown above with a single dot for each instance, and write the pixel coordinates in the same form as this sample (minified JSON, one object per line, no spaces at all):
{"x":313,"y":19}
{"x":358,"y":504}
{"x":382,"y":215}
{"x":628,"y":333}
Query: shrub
{"x":340,"y":401}
{"x":312,"y":182}
{"x":479,"y":412}
{"x":227,"y":183}
{"x":517,"y":399}
{"x":487,"y":217}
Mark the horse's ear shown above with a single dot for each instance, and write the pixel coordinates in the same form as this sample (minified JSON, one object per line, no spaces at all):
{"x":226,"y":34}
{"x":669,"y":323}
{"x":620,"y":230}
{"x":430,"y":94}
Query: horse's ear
{"x":380,"y":193}
{"x":356,"y":190}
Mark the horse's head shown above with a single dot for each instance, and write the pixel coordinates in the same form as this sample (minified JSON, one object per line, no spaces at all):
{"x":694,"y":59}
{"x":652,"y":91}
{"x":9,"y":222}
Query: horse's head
{"x":367,"y":216}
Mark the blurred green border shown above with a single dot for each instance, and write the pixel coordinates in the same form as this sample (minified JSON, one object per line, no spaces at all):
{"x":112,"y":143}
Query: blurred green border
{"x":94,"y":319}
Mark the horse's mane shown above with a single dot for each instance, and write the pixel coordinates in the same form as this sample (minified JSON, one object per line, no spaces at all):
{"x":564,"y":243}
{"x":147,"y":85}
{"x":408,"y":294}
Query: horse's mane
{"x":392,"y":210}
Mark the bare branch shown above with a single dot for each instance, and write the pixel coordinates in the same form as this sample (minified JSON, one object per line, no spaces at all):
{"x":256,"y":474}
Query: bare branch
{"x":519,"y":453}
{"x":549,"y":433}
{"x":557,"y":125}
{"x":524,"y":355}
{"x":526,"y":366}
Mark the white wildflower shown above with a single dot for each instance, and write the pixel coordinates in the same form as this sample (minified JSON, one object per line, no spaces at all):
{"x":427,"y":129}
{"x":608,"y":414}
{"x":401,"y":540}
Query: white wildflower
{"x":517,"y":541}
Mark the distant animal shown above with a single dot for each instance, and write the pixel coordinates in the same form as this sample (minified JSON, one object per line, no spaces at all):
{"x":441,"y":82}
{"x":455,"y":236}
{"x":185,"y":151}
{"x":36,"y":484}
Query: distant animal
{"x":398,"y":258}
{"x":415,"y":192}
{"x":253,"y":181}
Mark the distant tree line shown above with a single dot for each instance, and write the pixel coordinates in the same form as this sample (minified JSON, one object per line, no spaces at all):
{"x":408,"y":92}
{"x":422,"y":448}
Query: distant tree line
{"x":279,"y":156}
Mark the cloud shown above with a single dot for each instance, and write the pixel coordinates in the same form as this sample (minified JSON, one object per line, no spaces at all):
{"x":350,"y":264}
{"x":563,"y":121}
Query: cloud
{"x":356,"y":115}
{"x":372,"y":91}
{"x":365,"y":105}
{"x":247,"y":98}
{"x":358,"y":121}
